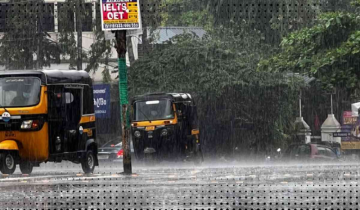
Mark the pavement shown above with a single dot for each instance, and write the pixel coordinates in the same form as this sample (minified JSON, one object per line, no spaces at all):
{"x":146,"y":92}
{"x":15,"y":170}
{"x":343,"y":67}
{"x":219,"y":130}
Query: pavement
{"x":185,"y":186}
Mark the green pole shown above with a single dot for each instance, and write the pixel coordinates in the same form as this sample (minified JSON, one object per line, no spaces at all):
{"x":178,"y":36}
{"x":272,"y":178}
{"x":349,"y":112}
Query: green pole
{"x":123,"y":91}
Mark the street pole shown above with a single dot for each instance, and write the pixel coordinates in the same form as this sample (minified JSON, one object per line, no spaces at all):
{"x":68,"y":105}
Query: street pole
{"x":300,"y":104}
{"x":79,"y":9}
{"x":120,"y":46}
{"x":332,"y":111}
{"x":39,"y":32}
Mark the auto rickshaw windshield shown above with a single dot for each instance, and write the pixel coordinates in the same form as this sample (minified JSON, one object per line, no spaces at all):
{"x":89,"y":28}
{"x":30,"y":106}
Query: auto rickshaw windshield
{"x":19,"y":92}
{"x":153,"y":110}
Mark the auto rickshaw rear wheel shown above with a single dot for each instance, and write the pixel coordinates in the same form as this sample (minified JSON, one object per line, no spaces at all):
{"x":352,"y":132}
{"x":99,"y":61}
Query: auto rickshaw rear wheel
{"x":88,"y":163}
{"x":7,"y":162}
{"x":26,"y":167}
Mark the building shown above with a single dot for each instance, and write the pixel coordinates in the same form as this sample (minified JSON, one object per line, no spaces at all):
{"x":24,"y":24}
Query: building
{"x":108,"y":127}
{"x":52,"y":24}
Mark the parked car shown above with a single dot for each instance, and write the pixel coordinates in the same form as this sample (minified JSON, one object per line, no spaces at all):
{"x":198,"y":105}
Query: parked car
{"x":120,"y":153}
{"x":112,"y":151}
{"x":313,"y":152}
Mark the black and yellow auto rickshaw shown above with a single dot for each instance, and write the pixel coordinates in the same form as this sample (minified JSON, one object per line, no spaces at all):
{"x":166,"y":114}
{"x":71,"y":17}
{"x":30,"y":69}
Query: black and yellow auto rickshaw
{"x":165,"y":125}
{"x":46,"y":116}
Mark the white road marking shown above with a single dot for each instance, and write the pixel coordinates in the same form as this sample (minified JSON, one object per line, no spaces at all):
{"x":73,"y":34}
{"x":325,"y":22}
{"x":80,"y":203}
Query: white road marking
{"x":52,"y":178}
{"x":195,"y":171}
{"x":9,"y":178}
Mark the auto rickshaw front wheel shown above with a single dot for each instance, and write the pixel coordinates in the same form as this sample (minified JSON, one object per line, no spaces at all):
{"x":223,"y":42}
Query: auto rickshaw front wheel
{"x":26,"y":167}
{"x":7,"y":162}
{"x":88,"y":163}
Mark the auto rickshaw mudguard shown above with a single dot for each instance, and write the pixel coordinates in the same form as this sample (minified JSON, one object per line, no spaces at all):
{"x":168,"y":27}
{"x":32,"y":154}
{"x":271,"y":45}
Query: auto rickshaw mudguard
{"x":9,"y":145}
{"x":91,"y":143}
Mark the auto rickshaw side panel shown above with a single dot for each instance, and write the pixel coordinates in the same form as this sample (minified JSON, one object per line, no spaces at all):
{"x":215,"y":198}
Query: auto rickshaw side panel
{"x":87,"y":122}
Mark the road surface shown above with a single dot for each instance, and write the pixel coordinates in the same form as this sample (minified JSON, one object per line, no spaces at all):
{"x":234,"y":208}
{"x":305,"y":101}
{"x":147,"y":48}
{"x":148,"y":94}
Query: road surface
{"x":211,"y":186}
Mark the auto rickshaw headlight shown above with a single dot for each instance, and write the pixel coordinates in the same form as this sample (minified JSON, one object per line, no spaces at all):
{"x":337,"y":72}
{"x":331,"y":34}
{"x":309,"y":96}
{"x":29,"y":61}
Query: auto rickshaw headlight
{"x":164,"y":132}
{"x":30,"y":124}
{"x":26,"y":124}
{"x":137,"y":134}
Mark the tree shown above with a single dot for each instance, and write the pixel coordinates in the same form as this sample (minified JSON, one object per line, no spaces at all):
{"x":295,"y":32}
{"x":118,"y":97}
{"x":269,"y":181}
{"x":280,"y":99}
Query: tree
{"x":219,"y":70}
{"x":67,"y":41}
{"x":25,"y":42}
{"x":100,"y":50}
{"x":328,"y":51}
{"x":185,"y":13}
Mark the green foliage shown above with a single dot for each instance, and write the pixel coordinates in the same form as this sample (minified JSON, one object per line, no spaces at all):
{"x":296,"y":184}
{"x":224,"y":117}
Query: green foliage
{"x":219,"y":70}
{"x":328,"y":51}
{"x":100,"y":50}
{"x":223,"y":53}
{"x":355,"y":3}
{"x":23,"y":41}
{"x":106,"y":75}
{"x":67,"y":38}
{"x":66,"y":34}
{"x":185,"y":13}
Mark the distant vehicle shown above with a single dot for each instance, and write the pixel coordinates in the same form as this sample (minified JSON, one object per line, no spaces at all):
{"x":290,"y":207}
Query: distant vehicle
{"x":113,"y":151}
{"x":313,"y":152}
{"x":165,"y":126}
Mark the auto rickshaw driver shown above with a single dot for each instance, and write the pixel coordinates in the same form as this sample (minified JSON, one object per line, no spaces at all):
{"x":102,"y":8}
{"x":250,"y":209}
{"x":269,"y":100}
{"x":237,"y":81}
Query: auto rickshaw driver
{"x":154,"y":114}
{"x":22,"y":96}
{"x":159,"y":111}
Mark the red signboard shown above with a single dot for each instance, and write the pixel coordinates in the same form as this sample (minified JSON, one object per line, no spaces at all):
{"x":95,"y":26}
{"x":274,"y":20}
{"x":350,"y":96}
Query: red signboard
{"x":120,"y":14}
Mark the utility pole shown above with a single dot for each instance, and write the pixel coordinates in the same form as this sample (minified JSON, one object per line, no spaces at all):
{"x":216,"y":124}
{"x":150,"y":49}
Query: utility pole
{"x":39,"y":34}
{"x":111,"y":21}
{"x":79,"y":9}
{"x":300,"y":104}
{"x":120,"y":46}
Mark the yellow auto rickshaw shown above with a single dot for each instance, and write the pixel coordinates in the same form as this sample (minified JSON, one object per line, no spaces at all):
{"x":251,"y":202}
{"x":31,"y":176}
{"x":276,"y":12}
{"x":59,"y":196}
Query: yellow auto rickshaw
{"x":46,"y":116}
{"x":165,"y":126}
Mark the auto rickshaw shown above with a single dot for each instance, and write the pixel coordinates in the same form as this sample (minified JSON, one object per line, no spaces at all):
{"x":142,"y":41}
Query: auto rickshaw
{"x":165,"y":125}
{"x":46,"y":116}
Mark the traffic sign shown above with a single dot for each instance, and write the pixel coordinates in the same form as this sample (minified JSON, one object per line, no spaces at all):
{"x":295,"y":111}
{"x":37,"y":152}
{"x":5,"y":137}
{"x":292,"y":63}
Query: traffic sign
{"x":120,"y":15}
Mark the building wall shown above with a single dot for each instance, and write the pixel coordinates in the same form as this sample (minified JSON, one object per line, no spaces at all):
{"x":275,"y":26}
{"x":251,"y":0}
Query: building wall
{"x":51,"y":25}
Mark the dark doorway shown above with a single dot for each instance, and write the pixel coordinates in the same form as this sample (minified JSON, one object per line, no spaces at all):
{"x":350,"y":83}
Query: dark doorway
{"x":73,"y":107}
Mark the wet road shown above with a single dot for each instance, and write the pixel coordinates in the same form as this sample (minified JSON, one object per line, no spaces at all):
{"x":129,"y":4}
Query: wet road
{"x":212,"y":186}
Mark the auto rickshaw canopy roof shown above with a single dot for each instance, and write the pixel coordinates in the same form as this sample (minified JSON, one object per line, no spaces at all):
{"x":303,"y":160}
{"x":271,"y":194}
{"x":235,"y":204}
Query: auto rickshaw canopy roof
{"x":49,"y":77}
{"x":176,"y":97}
